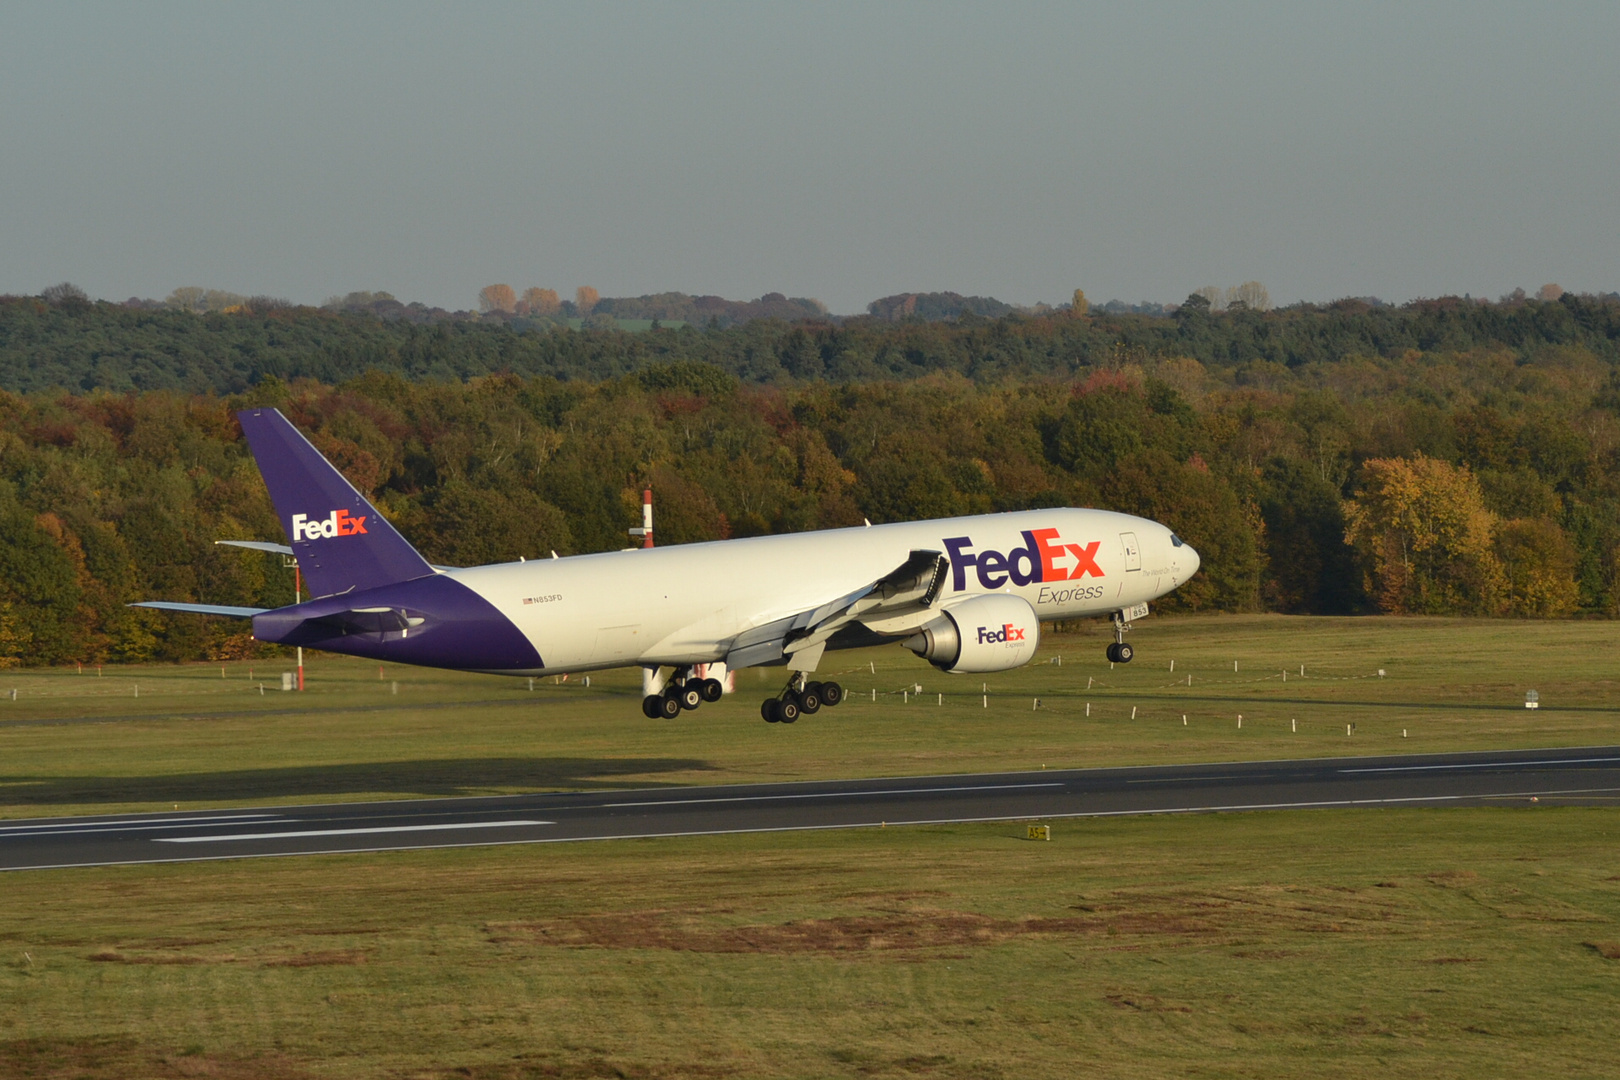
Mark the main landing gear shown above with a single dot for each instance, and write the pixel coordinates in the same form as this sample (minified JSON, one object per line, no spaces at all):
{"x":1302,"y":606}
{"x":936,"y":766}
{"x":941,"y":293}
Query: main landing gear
{"x":800,"y":698}
{"x":684,"y":693}
{"x":1119,"y":652}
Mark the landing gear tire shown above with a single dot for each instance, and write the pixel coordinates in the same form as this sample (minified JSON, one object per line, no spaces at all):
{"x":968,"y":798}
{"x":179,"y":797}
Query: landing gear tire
{"x":669,"y":706}
{"x":1120,"y":653}
{"x":651,"y":707}
{"x":831,"y":694}
{"x":690,"y":695}
{"x":810,"y":699}
{"x":768,"y":710}
{"x":711,"y":689}
{"x":787,"y":708}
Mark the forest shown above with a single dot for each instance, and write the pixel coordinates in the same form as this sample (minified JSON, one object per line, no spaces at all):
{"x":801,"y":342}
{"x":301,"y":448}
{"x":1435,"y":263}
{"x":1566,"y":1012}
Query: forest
{"x":79,"y":346}
{"x":1447,"y":457}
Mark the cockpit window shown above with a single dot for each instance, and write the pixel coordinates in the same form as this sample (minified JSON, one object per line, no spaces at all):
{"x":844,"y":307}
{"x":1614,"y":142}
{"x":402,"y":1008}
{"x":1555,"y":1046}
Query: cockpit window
{"x":1176,"y":540}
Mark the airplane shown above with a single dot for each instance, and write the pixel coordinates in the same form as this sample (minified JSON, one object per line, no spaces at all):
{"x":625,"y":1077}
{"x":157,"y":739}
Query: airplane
{"x":967,"y":594}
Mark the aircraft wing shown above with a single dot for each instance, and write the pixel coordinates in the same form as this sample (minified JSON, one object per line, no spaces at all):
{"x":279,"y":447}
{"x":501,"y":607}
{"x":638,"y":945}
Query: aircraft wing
{"x":909,"y":589}
{"x":203,"y":609}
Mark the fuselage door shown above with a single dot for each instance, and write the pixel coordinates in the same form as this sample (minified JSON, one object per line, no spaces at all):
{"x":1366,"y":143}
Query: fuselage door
{"x":1133,"y":551}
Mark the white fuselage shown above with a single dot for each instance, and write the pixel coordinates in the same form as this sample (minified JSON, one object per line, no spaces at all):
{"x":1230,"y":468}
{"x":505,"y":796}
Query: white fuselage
{"x":684,"y":604}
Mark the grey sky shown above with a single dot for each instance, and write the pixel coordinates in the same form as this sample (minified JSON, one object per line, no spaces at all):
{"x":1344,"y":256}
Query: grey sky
{"x":842,"y":151}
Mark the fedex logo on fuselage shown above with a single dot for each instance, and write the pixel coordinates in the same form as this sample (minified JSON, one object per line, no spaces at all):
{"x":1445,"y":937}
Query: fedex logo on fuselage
{"x":1044,"y":557}
{"x":1008,"y":633}
{"x":337,"y":523}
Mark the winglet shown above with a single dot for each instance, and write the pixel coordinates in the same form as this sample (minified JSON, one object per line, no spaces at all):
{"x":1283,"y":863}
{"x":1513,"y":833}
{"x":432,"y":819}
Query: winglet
{"x":340,"y":540}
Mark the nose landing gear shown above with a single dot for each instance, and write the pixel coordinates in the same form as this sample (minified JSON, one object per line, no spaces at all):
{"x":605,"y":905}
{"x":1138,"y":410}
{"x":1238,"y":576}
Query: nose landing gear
{"x":800,"y":698}
{"x":1119,"y":652}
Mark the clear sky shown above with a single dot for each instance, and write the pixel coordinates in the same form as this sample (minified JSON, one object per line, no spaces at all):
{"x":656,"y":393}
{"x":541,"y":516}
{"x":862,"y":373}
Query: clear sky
{"x":844,"y":151}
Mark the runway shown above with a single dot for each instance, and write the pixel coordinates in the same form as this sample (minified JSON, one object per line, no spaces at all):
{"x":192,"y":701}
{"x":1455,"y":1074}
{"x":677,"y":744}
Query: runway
{"x":1589,"y":776}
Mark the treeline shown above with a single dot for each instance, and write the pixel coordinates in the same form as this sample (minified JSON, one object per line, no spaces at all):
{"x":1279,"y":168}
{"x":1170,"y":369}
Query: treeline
{"x":72,"y":344}
{"x":1473,"y":481}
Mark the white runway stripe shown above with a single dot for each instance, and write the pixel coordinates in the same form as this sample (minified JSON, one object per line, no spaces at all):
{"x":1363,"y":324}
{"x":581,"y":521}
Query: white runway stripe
{"x":856,"y":794}
{"x":226,"y":837}
{"x":1488,"y":765}
{"x":79,"y":828}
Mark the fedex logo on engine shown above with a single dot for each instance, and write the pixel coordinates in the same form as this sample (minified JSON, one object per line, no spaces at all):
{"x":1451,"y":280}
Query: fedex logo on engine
{"x":1044,"y":557}
{"x":1007,"y":634}
{"x":337,"y":523}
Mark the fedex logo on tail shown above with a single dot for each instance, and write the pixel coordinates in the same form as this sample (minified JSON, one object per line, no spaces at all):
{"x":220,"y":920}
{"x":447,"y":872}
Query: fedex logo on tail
{"x":1007,"y":633}
{"x":337,"y":523}
{"x":1044,"y":557}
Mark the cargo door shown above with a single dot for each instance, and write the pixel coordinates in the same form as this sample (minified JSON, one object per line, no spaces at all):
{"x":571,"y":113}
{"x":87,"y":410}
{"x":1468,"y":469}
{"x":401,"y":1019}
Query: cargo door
{"x":1133,"y":551}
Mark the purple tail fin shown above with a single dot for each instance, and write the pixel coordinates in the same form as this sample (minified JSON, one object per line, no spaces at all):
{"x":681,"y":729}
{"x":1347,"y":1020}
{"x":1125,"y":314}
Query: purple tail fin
{"x":340,"y":540}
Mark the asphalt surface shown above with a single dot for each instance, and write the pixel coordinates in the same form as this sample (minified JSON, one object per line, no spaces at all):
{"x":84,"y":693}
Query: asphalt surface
{"x":1588,"y":775}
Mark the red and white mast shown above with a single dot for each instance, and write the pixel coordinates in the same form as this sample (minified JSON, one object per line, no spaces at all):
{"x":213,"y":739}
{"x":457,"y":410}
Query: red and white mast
{"x":645,"y":532}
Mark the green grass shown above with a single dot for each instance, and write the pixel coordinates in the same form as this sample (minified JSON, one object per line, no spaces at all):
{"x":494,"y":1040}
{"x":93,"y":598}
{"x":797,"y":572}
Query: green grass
{"x":1410,"y":943}
{"x":1371,"y":943}
{"x":73,"y":743}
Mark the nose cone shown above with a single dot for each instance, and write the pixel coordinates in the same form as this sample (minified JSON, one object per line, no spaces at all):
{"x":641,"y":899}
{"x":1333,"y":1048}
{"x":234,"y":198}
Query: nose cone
{"x":1184,"y":558}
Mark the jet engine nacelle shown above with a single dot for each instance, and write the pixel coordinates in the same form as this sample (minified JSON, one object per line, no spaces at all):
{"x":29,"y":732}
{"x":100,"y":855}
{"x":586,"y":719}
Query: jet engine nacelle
{"x":996,"y":632}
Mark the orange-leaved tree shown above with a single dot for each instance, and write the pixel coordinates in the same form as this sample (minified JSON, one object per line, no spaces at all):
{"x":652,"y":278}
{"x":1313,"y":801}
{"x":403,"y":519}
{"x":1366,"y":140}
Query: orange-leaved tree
{"x":497,"y":298}
{"x":539,"y":302}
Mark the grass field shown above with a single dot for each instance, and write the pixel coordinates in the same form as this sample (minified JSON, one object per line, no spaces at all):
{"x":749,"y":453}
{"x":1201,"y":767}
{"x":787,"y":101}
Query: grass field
{"x":1411,"y":943}
{"x":1371,"y":943}
{"x":159,"y":737}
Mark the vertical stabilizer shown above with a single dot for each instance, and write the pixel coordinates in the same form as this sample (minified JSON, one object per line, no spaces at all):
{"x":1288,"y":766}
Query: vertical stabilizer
{"x":341,"y":542}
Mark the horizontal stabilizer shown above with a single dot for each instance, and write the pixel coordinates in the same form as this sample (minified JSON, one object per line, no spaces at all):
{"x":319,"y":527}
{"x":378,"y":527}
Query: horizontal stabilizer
{"x":258,"y":545}
{"x":204,"y":609}
{"x":283,"y":549}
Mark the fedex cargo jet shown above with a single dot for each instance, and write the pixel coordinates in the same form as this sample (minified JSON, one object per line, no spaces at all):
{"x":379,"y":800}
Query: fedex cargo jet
{"x":967,"y":594}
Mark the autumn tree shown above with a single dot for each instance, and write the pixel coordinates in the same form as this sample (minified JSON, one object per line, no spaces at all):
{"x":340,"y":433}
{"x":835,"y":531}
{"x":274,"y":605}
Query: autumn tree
{"x":1426,"y":539}
{"x":1539,"y":562}
{"x":1080,"y":305}
{"x":539,"y":302}
{"x":585,"y":298}
{"x":497,"y":298}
